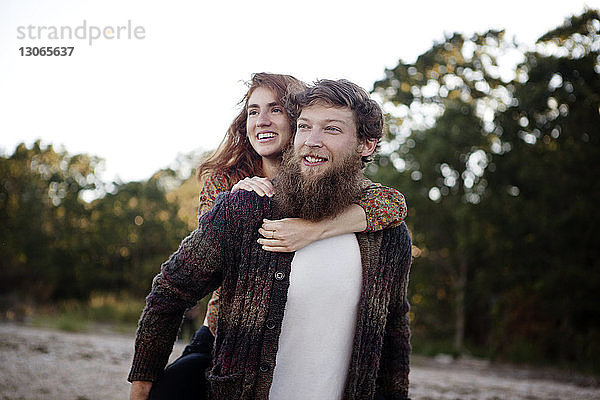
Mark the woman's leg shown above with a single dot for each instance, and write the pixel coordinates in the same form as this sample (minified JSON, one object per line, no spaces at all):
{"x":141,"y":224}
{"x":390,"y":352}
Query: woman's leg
{"x":185,"y":378}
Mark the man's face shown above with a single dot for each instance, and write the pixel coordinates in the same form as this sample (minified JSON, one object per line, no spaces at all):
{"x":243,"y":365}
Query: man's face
{"x":322,"y":175}
{"x":268,"y":126}
{"x":326,"y":136}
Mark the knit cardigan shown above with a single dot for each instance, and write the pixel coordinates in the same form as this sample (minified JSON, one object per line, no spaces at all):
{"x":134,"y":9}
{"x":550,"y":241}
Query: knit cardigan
{"x":223,"y":251}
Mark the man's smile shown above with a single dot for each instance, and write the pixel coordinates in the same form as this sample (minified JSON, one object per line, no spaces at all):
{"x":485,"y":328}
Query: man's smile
{"x":314,"y":160}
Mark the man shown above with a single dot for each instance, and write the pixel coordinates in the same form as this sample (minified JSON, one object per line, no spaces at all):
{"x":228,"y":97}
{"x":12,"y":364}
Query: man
{"x":328,"y":322}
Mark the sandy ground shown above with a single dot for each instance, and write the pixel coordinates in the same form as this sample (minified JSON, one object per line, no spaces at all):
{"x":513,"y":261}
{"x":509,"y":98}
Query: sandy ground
{"x":51,"y":365}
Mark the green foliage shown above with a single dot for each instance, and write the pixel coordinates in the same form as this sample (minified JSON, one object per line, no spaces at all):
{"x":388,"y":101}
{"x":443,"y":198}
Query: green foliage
{"x":54,"y":245}
{"x":42,"y":215}
{"x":133,"y":231}
{"x":186,"y":197}
{"x":553,"y":133}
{"x":501,"y":182}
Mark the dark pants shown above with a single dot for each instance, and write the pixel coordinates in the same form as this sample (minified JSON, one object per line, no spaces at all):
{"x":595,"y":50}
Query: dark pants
{"x":185,"y":378}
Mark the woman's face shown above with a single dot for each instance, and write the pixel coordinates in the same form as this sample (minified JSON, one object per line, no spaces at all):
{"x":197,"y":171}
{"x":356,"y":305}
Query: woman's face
{"x":268,"y":126}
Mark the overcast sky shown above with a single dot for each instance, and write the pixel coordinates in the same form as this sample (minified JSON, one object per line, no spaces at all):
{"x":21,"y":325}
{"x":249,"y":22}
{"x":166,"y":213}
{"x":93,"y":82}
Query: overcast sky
{"x":139,"y":101}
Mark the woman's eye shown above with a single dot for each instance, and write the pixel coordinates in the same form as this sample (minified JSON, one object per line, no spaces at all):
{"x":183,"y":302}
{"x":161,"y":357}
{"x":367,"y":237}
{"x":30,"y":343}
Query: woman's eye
{"x":252,"y":112}
{"x":278,"y":110}
{"x":333,"y":129}
{"x":302,"y":126}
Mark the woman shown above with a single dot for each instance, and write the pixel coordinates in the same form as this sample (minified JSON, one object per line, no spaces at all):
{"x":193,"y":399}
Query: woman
{"x":253,"y":147}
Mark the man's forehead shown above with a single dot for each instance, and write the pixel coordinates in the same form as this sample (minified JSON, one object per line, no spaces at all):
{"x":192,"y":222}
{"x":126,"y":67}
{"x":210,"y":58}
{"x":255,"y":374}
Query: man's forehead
{"x":326,"y":112}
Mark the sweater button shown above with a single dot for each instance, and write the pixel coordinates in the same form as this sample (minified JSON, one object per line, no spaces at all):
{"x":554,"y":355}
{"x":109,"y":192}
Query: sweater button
{"x":279,"y":275}
{"x":270,"y":324}
{"x":264,"y":367}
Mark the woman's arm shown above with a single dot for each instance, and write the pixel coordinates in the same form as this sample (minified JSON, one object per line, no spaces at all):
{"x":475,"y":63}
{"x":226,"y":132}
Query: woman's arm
{"x":211,"y":187}
{"x":384,"y":206}
{"x":378,"y":207}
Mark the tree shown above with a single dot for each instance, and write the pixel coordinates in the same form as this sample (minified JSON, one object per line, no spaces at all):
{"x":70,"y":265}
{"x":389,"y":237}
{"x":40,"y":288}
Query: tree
{"x":134,"y":230}
{"x":500,"y":178}
{"x":440,"y":146}
{"x":545,"y":187}
{"x":55,"y":245}
{"x":44,"y":218}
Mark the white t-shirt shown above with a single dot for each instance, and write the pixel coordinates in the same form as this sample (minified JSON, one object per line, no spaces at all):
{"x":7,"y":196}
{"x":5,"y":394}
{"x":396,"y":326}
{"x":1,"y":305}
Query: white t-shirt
{"x":319,"y":321}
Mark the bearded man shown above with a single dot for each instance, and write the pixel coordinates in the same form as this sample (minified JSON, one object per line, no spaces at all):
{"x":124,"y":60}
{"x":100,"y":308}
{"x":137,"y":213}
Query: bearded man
{"x":327,"y":322}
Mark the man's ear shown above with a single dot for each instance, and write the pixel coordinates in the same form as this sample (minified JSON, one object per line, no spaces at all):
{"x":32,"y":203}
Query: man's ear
{"x":367,"y":147}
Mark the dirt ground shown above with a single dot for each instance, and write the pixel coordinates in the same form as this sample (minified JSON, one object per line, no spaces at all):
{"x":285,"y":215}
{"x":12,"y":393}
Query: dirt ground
{"x":52,"y":365}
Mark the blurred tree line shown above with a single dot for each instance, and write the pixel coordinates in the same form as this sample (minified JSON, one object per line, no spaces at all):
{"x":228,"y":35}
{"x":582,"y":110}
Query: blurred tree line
{"x":495,"y":148}
{"x":501,"y":175}
{"x":54,"y":245}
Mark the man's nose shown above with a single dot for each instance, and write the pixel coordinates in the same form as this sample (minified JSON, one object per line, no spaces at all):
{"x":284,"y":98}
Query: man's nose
{"x":314,"y":139}
{"x":263,"y":119}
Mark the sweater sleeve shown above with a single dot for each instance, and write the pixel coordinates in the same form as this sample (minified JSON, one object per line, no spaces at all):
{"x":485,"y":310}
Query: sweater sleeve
{"x":385,"y":207}
{"x":194,"y":270}
{"x":394,"y":367}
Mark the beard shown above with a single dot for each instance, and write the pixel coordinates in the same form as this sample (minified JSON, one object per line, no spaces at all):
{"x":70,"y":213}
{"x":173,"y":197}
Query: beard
{"x":319,"y":196}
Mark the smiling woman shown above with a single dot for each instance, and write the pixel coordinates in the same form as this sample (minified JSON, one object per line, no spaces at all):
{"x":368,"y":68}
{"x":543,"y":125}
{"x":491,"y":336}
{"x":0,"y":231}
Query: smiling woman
{"x":263,"y":113}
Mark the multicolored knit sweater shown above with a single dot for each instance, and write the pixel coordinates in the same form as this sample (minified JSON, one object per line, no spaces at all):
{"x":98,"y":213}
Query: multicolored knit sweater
{"x":223,"y":251}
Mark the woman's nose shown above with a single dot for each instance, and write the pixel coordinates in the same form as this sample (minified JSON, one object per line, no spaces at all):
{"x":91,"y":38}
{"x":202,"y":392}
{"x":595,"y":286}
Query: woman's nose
{"x":263,"y":119}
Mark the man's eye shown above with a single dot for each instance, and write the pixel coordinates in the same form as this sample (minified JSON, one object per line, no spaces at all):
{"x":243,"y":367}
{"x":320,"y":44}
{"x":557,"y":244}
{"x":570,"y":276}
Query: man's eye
{"x":333,"y":129}
{"x":302,"y":126}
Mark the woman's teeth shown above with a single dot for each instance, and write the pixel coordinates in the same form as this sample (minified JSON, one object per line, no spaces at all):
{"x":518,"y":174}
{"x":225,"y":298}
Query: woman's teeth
{"x":266,"y":135}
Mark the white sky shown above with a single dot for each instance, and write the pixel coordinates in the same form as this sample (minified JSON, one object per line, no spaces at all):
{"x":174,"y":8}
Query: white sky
{"x":138,"y":103}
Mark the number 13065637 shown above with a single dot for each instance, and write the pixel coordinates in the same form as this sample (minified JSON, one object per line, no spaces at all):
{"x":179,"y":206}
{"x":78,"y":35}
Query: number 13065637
{"x":46,"y":51}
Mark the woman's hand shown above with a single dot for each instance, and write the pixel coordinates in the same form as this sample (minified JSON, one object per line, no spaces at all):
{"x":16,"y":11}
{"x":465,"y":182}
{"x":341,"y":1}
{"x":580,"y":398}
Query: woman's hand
{"x":262,"y":186}
{"x":289,"y":234}
{"x":292,"y":234}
